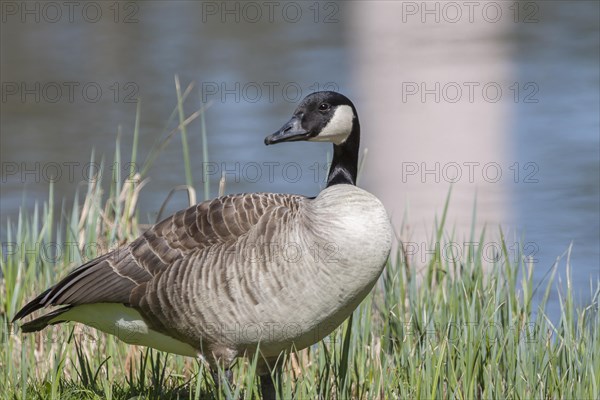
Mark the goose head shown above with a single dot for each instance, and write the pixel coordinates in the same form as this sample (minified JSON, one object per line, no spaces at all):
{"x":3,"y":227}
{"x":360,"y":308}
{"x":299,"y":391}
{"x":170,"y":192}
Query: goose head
{"x":326,"y":117}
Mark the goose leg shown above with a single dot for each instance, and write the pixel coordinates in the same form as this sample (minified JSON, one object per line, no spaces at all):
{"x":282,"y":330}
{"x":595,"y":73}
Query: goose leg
{"x":221,"y":360}
{"x":229,"y":376}
{"x":217,"y":379}
{"x":267,"y":386}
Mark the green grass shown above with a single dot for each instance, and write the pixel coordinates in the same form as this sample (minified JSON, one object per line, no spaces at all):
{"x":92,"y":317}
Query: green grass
{"x":445,"y":330}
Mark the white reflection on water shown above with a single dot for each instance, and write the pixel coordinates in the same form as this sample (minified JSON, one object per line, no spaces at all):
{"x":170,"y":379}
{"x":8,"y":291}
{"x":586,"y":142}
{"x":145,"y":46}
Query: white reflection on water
{"x":424,"y":73}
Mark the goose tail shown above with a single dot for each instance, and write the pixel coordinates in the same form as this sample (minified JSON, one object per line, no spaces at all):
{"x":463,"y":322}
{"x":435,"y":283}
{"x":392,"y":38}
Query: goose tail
{"x":47,"y":319}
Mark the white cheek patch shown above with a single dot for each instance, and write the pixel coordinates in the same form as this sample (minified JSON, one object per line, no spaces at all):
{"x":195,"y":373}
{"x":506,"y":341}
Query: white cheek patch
{"x":339,"y":127}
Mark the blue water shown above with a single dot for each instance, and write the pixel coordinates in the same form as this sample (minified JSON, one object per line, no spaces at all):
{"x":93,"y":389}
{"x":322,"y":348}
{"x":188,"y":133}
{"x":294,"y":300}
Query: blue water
{"x":561,"y":135}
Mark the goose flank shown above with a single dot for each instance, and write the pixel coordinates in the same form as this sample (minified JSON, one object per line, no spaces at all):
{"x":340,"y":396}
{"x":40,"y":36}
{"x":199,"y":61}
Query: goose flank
{"x":240,"y":272}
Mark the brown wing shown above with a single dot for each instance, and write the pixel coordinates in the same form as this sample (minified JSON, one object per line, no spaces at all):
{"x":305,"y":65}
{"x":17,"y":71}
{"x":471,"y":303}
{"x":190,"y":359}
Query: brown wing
{"x":111,"y":278}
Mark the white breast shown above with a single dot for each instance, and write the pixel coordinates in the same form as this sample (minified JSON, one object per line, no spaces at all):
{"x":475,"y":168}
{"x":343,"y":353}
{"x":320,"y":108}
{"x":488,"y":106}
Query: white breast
{"x":355,"y":225}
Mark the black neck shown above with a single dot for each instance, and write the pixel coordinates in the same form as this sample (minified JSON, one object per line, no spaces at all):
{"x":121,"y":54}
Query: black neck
{"x":344,"y":166}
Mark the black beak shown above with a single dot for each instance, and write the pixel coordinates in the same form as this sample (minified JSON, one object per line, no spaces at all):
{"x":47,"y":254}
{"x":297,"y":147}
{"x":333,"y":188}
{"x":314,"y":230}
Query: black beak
{"x":290,"y":132}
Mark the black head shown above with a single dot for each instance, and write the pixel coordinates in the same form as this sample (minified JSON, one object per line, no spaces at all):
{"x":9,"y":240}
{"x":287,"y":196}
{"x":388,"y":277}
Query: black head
{"x":326,"y":117}
{"x":320,"y":117}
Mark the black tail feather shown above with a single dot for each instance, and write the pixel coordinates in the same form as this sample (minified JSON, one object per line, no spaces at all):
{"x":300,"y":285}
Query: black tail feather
{"x":32,"y":306}
{"x":48,"y":296}
{"x":40,"y":323}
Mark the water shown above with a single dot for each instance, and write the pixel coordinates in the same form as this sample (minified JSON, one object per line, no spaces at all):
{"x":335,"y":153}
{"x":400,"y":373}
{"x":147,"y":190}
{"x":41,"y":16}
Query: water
{"x":127,"y":59}
{"x":560,"y":134}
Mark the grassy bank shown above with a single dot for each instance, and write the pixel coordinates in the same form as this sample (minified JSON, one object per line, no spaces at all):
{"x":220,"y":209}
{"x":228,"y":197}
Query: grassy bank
{"x":462,"y":330}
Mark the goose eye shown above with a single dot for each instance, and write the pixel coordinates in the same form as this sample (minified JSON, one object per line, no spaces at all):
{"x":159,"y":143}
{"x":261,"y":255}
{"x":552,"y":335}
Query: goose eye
{"x":324,"y":107}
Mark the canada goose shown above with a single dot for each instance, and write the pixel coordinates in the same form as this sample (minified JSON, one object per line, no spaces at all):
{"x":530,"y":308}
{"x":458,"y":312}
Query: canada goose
{"x":226,"y":276}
